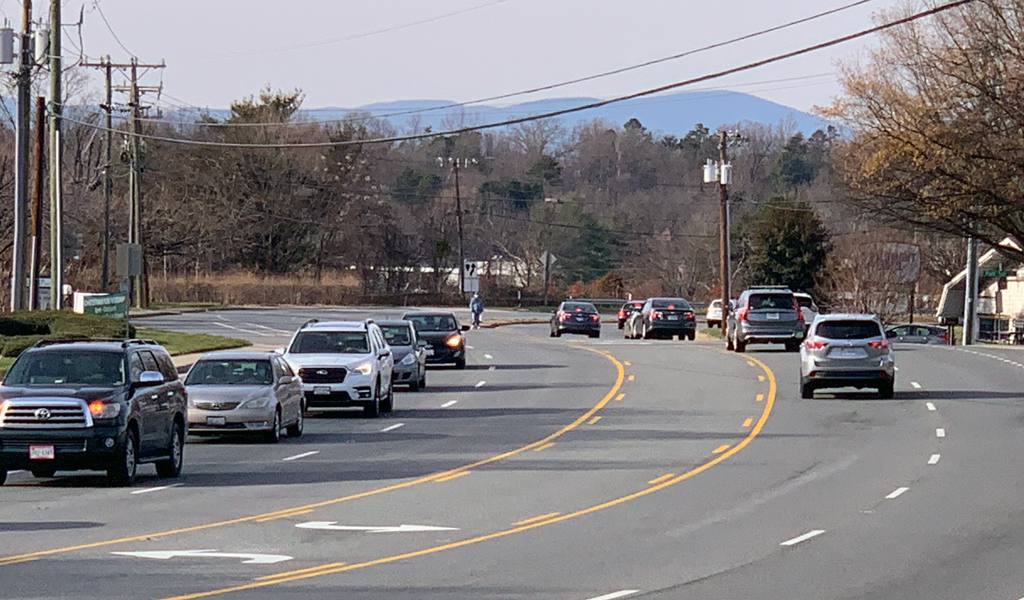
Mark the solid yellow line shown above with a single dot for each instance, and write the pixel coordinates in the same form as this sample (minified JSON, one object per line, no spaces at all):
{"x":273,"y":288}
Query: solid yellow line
{"x":315,"y":569}
{"x":14,"y":562}
{"x":619,"y":397}
{"x":499,"y":534}
{"x":594,"y":420}
{"x":291,"y":514}
{"x":750,"y":364}
{"x":720,"y":449}
{"x":397,"y":486}
{"x":544,"y":447}
{"x":664,"y":477}
{"x":450,"y":477}
{"x":632,"y":377}
{"x":748,"y":422}
{"x":760,"y":397}
{"x":537,"y":519}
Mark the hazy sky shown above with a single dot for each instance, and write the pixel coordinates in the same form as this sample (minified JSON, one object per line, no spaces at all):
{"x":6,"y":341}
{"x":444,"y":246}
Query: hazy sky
{"x":221,"y":50}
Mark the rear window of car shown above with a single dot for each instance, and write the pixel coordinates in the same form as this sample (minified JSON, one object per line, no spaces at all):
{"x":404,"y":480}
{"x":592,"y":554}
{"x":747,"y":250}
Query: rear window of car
{"x":771,"y":301}
{"x":804,"y":302}
{"x":580,"y":307}
{"x":848,"y":330}
{"x":671,"y":304}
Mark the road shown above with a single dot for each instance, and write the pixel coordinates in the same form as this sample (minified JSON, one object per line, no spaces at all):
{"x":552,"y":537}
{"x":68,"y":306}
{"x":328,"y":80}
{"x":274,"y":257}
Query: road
{"x":569,"y":469}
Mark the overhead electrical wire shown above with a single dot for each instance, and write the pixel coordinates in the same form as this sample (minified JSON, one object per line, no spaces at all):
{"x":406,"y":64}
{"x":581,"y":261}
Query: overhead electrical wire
{"x":557,"y":113}
{"x":99,"y":9}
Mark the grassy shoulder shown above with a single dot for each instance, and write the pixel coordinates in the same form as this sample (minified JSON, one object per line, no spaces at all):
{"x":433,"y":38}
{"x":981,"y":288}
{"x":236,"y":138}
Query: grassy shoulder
{"x":714,"y":332}
{"x":190,"y":343}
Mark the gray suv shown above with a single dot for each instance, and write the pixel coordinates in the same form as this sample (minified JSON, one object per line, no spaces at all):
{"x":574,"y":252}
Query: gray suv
{"x":765,"y":315}
{"x":847,"y":351}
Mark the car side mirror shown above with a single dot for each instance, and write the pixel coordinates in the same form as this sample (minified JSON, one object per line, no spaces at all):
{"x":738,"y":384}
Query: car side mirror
{"x":150,"y":378}
{"x":279,"y":350}
{"x":422,"y":344}
{"x":465,"y":327}
{"x":287,"y":379}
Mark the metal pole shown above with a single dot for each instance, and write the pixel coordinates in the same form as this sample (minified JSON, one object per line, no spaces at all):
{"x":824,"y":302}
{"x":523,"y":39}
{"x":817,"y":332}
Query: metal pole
{"x":22,"y":133}
{"x":56,"y":202}
{"x":971,"y":293}
{"x":723,"y":201}
{"x":37,"y":205}
{"x":107,"y":181}
{"x":458,"y":215}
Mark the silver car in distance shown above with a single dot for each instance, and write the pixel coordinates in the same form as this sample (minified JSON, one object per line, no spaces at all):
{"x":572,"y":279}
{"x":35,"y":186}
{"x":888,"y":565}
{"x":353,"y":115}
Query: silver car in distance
{"x":847,"y":350}
{"x":239,"y":392}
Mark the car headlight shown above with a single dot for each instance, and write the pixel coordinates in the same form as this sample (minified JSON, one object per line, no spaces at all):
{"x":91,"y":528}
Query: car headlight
{"x":259,"y":402}
{"x":104,"y":410}
{"x":455,"y":341}
{"x":365,"y":368}
{"x":409,"y":359}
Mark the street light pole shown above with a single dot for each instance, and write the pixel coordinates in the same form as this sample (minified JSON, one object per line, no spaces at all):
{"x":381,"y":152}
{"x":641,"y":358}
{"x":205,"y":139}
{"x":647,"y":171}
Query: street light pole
{"x":724,"y":179}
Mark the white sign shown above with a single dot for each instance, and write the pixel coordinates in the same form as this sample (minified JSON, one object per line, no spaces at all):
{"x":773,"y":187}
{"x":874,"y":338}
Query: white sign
{"x":250,"y":559}
{"x":333,"y":526}
{"x":547,"y":258}
{"x":470,"y":276}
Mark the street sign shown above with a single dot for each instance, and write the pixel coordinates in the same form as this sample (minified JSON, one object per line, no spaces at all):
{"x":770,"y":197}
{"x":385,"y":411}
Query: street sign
{"x":546,"y":258}
{"x":333,"y":526}
{"x":111,"y":305}
{"x":470,"y":276}
{"x":249,"y":559}
{"x":129,"y":260}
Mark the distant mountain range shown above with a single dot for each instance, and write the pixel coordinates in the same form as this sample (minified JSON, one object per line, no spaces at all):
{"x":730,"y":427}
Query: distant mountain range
{"x":674,"y":114}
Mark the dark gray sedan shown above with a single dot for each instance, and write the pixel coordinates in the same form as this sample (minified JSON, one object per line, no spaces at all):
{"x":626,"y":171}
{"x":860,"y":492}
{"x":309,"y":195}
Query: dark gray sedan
{"x":918,"y":334}
{"x":410,"y":352}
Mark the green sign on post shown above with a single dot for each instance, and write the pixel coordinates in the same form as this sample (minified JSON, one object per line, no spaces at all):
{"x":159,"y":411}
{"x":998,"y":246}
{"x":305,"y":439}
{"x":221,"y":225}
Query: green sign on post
{"x":110,"y":305}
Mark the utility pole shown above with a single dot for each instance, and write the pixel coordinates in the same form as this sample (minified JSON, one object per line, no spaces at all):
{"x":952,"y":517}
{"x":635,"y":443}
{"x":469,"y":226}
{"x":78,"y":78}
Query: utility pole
{"x":56,"y":186}
{"x":970,"y":334}
{"x":108,"y":183}
{"x":22,"y":133}
{"x":37,"y":205}
{"x":725,"y":178}
{"x":458,"y":219}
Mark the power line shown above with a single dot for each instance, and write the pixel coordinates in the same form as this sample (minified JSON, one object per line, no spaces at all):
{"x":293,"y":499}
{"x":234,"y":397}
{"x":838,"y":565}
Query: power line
{"x":99,"y":9}
{"x":558,"y":113}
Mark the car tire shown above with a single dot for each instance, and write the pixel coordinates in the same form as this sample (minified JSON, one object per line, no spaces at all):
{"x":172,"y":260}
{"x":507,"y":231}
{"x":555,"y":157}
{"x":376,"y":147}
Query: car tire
{"x":43,"y":472}
{"x":414,"y":385}
{"x":423,"y":381}
{"x":792,"y":347}
{"x":557,"y":333}
{"x":887,"y":390}
{"x":295,"y":429}
{"x":806,"y":390}
{"x":273,"y":436}
{"x":388,"y":404}
{"x":3,"y":476}
{"x":460,"y":364}
{"x":171,"y":468}
{"x":552,"y":333}
{"x":371,"y":410}
{"x":595,"y":335}
{"x":728,"y":342}
{"x":691,"y":335}
{"x":122,"y":474}
{"x":740,"y":346}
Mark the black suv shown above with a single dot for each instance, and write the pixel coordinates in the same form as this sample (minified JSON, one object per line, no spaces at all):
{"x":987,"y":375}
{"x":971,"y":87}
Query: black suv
{"x":98,"y":405}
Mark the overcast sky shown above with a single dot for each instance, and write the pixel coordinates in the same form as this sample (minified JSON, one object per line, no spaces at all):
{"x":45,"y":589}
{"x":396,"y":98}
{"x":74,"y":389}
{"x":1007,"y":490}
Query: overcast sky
{"x":221,"y":50}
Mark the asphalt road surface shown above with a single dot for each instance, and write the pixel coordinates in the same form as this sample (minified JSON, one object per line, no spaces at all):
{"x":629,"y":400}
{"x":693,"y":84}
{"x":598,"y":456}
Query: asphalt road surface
{"x":569,"y":469}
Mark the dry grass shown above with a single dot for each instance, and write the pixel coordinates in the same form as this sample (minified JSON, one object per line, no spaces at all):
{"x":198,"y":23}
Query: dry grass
{"x":249,"y":288}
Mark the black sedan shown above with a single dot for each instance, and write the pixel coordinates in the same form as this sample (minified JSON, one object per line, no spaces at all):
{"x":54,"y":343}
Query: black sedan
{"x":667,"y":317}
{"x":576,"y":317}
{"x":442,"y":332}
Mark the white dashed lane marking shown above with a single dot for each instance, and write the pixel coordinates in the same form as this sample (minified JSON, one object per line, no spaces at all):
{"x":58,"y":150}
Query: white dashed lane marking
{"x":303,"y":455}
{"x":930,"y":406}
{"x":156,"y":489}
{"x":803,"y":538}
{"x":488,"y":357}
{"x":934,"y":460}
{"x":392,"y":428}
{"x":449,"y":403}
{"x":916,"y":385}
{"x":481,"y":384}
{"x":897,"y":493}
{"x":940,"y":432}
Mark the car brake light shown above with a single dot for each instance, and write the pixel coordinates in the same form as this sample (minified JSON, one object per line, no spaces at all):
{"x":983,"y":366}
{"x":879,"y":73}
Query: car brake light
{"x":595,"y":317}
{"x":688,"y":314}
{"x":879,"y":344}
{"x":814,"y":344}
{"x":622,"y":312}
{"x":655,"y":314}
{"x":799,"y":311}
{"x":742,"y":314}
{"x":563,"y":316}
{"x":454,"y":341}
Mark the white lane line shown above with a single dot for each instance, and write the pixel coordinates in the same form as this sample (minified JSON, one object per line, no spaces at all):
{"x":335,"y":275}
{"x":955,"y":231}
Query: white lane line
{"x":803,"y":538}
{"x":916,"y":385}
{"x":481,"y":384}
{"x":232,"y":327}
{"x":897,"y":493}
{"x":470,"y":348}
{"x":492,"y":368}
{"x":303,"y":455}
{"x":157,"y":489}
{"x":624,"y":593}
{"x":269,"y":328}
{"x":488,"y":357}
{"x":934,"y":460}
{"x":940,"y":432}
{"x":930,"y":406}
{"x":392,"y":428}
{"x":449,"y":403}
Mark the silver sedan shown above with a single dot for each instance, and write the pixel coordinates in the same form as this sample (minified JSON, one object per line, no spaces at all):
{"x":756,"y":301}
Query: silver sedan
{"x":239,"y":392}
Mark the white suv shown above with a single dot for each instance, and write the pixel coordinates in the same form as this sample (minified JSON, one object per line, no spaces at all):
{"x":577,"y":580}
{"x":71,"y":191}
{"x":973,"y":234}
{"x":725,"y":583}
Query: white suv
{"x":343,"y":364}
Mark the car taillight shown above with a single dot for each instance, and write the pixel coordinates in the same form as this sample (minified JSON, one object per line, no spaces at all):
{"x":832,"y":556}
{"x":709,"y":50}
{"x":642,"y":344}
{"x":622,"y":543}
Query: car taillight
{"x":799,"y":311}
{"x":622,"y":312}
{"x":944,"y":337}
{"x":454,"y":341}
{"x":881,"y":344}
{"x":595,"y":317}
{"x":814,"y":344}
{"x":655,"y":314}
{"x":688,"y":314}
{"x":742,"y":314}
{"x":563,"y":316}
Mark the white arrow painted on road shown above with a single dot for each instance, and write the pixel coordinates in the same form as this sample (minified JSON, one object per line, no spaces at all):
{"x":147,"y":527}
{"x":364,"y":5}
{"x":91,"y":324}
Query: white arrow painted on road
{"x":333,"y":526}
{"x":251,"y":559}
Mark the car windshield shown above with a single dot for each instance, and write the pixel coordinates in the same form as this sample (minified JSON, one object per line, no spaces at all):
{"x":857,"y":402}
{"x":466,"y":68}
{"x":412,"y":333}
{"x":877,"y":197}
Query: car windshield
{"x":771,"y":301}
{"x":397,"y":335}
{"x":848,"y":330}
{"x":580,"y":307}
{"x":434,"y":322}
{"x":330,"y":342}
{"x":231,"y":372}
{"x":671,"y":304}
{"x":77,"y":367}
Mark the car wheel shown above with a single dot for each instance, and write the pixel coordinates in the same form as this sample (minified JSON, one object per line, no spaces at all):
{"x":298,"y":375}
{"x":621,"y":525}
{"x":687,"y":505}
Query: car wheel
{"x":414,"y":385}
{"x":171,"y":467}
{"x":3,"y":476}
{"x":557,"y":333}
{"x":295,"y":429}
{"x":273,"y":435}
{"x":460,"y":364}
{"x":740,"y":346}
{"x":122,"y":473}
{"x":887,"y":390}
{"x":388,"y":404}
{"x":43,"y":472}
{"x":553,"y":333}
{"x":423,"y":380}
{"x":372,"y":409}
{"x":806,"y":390}
{"x":691,"y":335}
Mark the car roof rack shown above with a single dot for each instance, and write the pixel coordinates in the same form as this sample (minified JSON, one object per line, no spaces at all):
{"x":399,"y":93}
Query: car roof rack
{"x":138,"y":341}
{"x":308,"y":323}
{"x":78,"y":340}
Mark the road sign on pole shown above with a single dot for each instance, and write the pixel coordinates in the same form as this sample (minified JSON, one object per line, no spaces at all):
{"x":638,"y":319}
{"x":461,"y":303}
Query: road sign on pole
{"x":470,"y":276}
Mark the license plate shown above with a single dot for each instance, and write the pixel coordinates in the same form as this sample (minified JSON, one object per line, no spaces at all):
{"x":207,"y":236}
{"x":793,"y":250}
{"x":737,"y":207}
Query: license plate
{"x":40,"y":452}
{"x":773,"y":316}
{"x":673,"y":317}
{"x":321,"y":390}
{"x":216,"y":420}
{"x":581,"y":318}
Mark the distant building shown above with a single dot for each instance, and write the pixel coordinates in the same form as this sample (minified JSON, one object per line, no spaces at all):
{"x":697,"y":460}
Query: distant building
{"x":1000,"y":294}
